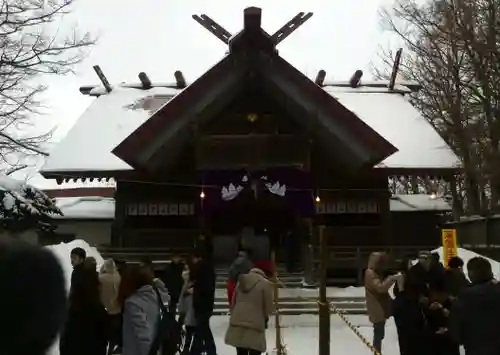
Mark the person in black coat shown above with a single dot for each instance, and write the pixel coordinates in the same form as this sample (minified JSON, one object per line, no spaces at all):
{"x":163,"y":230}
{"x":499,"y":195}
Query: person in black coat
{"x":475,"y":316}
{"x":203,"y":303}
{"x":455,"y":278}
{"x":85,"y":331}
{"x":77,"y":256}
{"x":420,"y":277}
{"x":172,"y":278}
{"x":437,"y":319}
{"x":408,"y":316}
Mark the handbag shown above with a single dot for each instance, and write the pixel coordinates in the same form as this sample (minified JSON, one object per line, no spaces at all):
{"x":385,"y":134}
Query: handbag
{"x":168,"y":337}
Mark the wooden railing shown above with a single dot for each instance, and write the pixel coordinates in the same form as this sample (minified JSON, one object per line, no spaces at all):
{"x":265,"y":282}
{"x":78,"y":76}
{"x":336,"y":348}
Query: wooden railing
{"x":136,"y":253}
{"x":361,"y":253}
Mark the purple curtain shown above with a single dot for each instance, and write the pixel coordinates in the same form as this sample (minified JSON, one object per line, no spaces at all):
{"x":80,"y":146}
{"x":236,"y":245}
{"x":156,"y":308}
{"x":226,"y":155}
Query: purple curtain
{"x":252,"y":186}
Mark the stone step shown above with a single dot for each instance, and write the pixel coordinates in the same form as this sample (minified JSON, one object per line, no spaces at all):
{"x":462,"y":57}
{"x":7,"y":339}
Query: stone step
{"x":222,"y":285}
{"x":286,"y":278}
{"x":300,"y":311}
{"x":296,"y":299}
{"x":304,"y":305}
{"x":334,"y":299}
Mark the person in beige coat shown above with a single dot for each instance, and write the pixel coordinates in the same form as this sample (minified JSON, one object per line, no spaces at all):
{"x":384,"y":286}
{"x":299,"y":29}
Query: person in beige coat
{"x":378,"y":300}
{"x":252,"y":304}
{"x":109,"y":280}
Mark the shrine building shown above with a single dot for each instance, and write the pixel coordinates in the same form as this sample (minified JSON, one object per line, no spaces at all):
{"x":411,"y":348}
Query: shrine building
{"x":253,"y":146}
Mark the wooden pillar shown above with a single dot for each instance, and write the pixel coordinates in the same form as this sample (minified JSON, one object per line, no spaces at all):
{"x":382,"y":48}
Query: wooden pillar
{"x":308,"y":253}
{"x":385,"y":214}
{"x":324,"y":306}
{"x":117,"y":227}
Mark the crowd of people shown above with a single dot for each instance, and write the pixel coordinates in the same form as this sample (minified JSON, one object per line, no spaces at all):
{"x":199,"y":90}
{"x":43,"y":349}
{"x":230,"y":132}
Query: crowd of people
{"x":132,"y":309}
{"x":435,"y":309}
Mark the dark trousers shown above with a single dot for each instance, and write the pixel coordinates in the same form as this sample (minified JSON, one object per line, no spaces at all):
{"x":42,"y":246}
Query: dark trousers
{"x":172,"y":306}
{"x":188,"y":339}
{"x":242,"y":351}
{"x":203,"y":338}
{"x":378,"y":335}
{"x":114,"y":331}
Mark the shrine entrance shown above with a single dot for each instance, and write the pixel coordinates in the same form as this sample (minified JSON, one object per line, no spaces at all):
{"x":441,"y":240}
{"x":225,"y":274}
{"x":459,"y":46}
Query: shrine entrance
{"x":254,"y":213}
{"x":255,"y":145}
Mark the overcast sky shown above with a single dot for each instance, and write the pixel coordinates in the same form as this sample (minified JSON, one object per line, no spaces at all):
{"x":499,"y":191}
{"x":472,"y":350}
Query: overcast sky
{"x":159,"y":37}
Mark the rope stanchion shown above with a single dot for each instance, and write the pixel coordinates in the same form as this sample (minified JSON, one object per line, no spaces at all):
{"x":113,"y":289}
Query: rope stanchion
{"x":343,"y":317}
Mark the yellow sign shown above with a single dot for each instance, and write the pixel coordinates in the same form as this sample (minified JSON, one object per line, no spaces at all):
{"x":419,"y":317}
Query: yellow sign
{"x":449,"y":237}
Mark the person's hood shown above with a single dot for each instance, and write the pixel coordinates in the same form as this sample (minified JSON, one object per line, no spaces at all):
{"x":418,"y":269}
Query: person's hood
{"x":247,"y":282}
{"x":144,"y":294}
{"x":375,"y":260}
{"x":241,"y":259}
{"x":159,"y":284}
{"x":109,"y":267}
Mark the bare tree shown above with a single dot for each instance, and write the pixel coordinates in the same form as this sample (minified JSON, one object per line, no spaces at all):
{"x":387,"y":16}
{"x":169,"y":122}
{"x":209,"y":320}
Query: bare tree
{"x":30,"y":47}
{"x":449,"y":45}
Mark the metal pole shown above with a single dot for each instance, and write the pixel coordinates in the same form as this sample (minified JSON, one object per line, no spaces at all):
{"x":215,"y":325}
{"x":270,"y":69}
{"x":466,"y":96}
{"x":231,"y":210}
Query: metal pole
{"x":324,"y":307}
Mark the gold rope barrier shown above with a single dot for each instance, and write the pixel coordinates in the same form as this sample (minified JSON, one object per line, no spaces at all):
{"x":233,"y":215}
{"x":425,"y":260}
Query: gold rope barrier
{"x":351,"y":326}
{"x":340,"y":313}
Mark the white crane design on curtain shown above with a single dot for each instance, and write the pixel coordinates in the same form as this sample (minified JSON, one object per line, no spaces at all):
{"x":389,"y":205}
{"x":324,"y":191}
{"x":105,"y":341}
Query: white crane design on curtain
{"x":231,"y":191}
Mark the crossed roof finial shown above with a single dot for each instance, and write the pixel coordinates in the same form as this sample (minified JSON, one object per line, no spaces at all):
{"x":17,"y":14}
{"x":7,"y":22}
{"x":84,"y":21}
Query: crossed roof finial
{"x":253,"y":17}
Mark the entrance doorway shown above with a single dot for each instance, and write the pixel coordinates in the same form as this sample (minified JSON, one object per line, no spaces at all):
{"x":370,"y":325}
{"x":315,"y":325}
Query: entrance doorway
{"x":258,"y":222}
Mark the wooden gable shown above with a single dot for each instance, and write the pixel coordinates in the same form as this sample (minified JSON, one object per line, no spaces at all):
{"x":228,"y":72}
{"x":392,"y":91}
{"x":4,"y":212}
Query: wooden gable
{"x":253,"y":60}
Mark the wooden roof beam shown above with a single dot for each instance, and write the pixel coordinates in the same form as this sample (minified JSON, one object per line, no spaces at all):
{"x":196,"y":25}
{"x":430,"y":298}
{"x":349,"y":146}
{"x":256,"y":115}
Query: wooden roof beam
{"x":103,"y":78}
{"x":213,"y":27}
{"x":252,"y":18}
{"x":395,"y":69}
{"x":320,"y":78}
{"x":145,"y":81}
{"x":356,"y":79}
{"x":179,"y":79}
{"x":290,"y":27}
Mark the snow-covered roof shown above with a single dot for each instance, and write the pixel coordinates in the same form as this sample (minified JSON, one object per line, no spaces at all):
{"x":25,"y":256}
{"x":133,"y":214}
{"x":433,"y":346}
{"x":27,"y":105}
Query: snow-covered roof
{"x":114,"y":116}
{"x":96,"y":207}
{"x":93,"y":207}
{"x":394,"y":118}
{"x":418,"y":202}
{"x":108,"y":120}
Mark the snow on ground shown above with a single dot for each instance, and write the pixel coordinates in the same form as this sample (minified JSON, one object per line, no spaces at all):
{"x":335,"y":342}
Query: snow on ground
{"x":466,"y":255}
{"x":300,"y":335}
{"x":63,"y":251}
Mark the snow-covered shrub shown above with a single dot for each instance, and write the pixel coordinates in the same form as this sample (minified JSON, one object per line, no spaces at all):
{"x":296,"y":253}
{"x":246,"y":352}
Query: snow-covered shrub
{"x":24,"y":207}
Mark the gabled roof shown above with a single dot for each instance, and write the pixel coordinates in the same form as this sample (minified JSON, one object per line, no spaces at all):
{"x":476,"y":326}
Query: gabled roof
{"x":254,"y":59}
{"x":109,"y":120}
{"x":132,"y":127}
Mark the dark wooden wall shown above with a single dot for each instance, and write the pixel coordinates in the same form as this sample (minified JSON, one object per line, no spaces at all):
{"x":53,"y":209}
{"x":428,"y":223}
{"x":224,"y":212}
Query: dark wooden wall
{"x":422,"y":228}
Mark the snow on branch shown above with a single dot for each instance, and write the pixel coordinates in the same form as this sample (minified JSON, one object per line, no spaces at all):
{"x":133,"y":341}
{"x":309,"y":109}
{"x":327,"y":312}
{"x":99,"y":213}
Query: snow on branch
{"x":32,"y":46}
{"x":24,"y":207}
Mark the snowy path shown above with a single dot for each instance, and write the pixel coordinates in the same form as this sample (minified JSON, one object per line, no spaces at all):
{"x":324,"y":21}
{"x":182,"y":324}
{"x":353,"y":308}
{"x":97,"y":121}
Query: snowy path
{"x":300,"y":335}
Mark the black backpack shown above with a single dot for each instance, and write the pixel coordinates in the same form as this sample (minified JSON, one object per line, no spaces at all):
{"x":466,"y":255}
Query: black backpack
{"x":168,"y":336}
